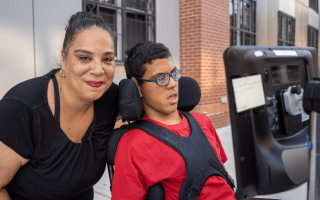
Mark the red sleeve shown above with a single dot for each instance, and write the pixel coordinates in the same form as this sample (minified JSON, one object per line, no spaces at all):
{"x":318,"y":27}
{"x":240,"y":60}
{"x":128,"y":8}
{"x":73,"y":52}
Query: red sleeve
{"x":128,"y":182}
{"x":139,"y":155}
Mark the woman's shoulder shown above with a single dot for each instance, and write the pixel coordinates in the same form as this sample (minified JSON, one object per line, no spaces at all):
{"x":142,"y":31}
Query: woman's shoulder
{"x":111,"y":93}
{"x":110,"y":97}
{"x":32,"y":92}
{"x":107,"y":107}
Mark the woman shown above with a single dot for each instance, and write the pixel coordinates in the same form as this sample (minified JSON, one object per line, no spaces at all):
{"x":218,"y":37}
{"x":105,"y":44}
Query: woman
{"x":54,"y":129}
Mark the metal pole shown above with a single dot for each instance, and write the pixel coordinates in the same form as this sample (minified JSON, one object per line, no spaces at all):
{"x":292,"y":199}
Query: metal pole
{"x":314,"y":173}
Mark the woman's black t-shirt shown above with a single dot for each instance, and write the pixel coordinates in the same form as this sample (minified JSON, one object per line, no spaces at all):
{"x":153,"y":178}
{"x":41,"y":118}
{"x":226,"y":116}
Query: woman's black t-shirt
{"x":58,"y":168}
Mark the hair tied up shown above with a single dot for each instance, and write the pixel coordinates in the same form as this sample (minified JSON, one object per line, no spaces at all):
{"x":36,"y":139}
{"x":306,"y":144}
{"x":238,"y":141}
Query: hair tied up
{"x":82,"y":21}
{"x":83,"y":17}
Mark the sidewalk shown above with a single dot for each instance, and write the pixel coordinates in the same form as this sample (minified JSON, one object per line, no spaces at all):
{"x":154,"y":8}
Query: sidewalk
{"x":102,"y":188}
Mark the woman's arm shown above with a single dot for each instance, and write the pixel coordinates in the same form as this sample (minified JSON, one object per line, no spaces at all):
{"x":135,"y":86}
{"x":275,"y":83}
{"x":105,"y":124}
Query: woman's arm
{"x":10,"y":162}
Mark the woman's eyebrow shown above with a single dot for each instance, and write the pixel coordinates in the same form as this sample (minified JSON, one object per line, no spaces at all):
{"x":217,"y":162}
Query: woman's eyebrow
{"x":89,"y":52}
{"x":83,"y":51}
{"x":108,"y":53}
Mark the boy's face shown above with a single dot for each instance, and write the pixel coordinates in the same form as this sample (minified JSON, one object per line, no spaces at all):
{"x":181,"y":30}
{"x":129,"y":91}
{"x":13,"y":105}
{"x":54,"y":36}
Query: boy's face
{"x":159,"y":100}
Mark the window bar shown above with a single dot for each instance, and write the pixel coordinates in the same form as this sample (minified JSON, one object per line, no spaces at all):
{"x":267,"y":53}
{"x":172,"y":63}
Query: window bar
{"x":280,"y":29}
{"x":316,"y":41}
{"x":294,"y":32}
{"x":141,"y":29}
{"x":115,"y":29}
{"x":232,"y":22}
{"x":286,"y":21}
{"x":231,"y":37}
{"x":309,"y":36}
{"x":147,"y":19}
{"x":242,"y":24}
{"x":251,"y":17}
{"x":154,"y":19}
{"x":233,"y":14}
{"x":235,"y":8}
{"x":124,"y":27}
{"x":313,"y":41}
{"x":314,"y":38}
{"x":242,"y":11}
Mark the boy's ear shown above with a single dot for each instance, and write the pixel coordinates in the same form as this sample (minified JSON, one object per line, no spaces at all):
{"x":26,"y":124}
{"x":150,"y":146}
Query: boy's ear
{"x":138,"y":85}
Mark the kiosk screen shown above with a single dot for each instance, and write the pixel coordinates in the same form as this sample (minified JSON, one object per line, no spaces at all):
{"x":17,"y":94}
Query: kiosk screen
{"x":284,"y":74}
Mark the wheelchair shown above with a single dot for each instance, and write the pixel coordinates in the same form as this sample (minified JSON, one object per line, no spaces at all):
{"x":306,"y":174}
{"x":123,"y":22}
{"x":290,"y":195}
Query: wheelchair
{"x":131,"y":109}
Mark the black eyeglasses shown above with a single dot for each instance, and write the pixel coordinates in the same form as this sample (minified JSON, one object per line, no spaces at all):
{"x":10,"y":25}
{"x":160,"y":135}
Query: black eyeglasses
{"x":164,"y":79}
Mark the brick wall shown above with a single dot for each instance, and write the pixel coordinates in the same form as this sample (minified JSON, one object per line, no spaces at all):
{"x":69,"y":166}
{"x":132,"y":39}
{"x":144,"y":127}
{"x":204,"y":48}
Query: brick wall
{"x":204,"y":35}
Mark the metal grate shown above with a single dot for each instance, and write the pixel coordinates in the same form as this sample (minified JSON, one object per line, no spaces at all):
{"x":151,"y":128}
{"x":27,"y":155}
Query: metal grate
{"x":313,"y":37}
{"x":133,"y":21}
{"x":314,"y":4}
{"x":242,"y":22}
{"x":286,"y":30}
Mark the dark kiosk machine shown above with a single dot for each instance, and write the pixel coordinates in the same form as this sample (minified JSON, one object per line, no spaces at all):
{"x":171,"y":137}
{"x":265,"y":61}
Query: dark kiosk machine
{"x":270,"y":128}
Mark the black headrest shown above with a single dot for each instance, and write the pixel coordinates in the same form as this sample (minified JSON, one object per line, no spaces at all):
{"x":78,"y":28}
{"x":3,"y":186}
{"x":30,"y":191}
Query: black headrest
{"x":130,"y":103}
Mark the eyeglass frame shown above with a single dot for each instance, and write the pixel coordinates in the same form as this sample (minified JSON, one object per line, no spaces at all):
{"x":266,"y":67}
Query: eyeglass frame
{"x":168,"y":80}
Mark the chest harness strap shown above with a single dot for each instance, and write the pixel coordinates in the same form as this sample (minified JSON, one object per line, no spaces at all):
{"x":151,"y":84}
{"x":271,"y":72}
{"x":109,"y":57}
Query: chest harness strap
{"x":200,"y":159}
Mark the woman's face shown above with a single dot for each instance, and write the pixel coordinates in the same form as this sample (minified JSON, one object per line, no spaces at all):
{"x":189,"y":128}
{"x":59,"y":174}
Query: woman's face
{"x":89,"y":65}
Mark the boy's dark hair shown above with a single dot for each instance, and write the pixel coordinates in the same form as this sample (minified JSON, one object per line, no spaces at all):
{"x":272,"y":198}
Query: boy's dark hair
{"x":141,"y":54}
{"x":79,"y":22}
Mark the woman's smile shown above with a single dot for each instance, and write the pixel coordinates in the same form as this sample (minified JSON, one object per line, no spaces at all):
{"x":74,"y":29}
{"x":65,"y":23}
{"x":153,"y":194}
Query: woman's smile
{"x":95,"y":84}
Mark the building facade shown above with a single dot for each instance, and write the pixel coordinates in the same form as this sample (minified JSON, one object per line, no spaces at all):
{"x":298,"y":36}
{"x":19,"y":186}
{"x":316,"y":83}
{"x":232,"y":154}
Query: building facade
{"x":196,"y":32}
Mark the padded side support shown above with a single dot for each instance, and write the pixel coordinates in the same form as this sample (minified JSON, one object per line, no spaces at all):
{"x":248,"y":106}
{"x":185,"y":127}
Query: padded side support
{"x":155,"y":192}
{"x":189,"y":94}
{"x":113,"y":143}
{"x":130,"y":104}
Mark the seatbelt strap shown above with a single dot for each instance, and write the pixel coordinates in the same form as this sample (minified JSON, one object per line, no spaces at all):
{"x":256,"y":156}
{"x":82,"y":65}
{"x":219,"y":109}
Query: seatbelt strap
{"x":196,"y":184}
{"x":195,"y":150}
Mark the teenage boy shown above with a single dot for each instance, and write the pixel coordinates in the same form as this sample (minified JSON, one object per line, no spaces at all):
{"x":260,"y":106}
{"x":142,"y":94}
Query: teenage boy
{"x":142,"y":160}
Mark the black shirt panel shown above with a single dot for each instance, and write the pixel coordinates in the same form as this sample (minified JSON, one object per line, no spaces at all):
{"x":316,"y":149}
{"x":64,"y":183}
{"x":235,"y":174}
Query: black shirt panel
{"x":17,"y":127}
{"x":58,"y":168}
{"x":32,"y":92}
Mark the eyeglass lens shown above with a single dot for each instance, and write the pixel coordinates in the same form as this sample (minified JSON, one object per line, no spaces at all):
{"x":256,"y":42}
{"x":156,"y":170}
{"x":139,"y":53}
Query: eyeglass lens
{"x":164,"y":79}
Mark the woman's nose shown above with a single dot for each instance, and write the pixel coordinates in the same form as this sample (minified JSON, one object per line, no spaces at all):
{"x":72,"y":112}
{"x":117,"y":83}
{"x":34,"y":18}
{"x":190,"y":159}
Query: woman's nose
{"x":97,"y":69}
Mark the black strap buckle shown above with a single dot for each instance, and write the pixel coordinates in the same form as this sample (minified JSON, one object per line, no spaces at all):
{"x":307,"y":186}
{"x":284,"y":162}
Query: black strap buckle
{"x":196,"y":184}
{"x":230,"y":179}
{"x":193,"y":194}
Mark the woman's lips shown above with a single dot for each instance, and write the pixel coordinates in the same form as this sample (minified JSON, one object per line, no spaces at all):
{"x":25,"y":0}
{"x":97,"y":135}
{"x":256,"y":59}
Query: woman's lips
{"x":95,"y":84}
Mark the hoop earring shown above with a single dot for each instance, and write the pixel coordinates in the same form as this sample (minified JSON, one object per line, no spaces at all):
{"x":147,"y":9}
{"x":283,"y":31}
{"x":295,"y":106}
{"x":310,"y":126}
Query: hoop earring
{"x":61,"y":74}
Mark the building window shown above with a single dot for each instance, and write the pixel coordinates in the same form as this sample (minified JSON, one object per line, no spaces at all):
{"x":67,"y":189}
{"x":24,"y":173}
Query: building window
{"x":314,"y":4}
{"x":286,"y":30}
{"x":313,"y":35}
{"x":242,"y":22}
{"x":132,"y":20}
